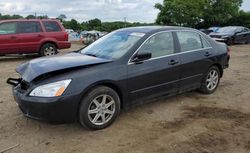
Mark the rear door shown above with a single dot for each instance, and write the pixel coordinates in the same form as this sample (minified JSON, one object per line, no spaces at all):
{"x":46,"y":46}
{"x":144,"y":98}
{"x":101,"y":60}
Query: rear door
{"x":30,"y":35}
{"x":158,"y":75}
{"x":194,"y":55}
{"x":8,"y":38}
{"x":54,"y":30}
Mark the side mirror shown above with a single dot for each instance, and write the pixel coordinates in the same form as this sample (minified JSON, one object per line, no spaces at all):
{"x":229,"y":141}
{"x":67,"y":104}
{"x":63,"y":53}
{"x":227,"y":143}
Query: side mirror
{"x":142,"y":57}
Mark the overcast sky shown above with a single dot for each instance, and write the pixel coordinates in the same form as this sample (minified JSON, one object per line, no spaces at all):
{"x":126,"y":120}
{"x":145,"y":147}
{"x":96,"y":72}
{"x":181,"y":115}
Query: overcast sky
{"x":83,"y":10}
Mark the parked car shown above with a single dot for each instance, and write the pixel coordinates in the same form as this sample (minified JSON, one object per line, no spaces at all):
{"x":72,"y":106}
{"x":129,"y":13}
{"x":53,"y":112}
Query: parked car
{"x":206,"y":31}
{"x":232,"y":35}
{"x":124,"y":68}
{"x":214,"y":29}
{"x":210,"y":30}
{"x":25,"y":36}
{"x":69,"y":31}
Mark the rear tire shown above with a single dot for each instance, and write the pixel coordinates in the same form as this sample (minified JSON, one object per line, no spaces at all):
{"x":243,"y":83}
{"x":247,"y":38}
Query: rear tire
{"x":211,"y":80}
{"x":230,"y":42}
{"x":48,"y":49}
{"x":247,"y":41}
{"x":99,"y":108}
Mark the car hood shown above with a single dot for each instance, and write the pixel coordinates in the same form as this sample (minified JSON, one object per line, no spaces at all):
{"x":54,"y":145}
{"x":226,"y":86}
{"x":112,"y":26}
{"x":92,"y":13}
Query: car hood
{"x":34,"y":68}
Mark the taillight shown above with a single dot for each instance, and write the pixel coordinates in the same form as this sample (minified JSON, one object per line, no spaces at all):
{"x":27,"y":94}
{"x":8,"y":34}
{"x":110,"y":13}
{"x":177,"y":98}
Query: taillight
{"x":66,"y":36}
{"x":228,"y":50}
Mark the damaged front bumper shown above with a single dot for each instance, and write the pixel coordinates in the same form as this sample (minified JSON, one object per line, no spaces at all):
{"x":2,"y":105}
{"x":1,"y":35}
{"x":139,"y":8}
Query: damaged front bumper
{"x":56,"y":109}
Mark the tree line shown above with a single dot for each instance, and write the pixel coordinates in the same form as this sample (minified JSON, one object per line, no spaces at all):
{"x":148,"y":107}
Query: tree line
{"x":191,"y":13}
{"x":94,"y":24}
{"x":202,"y":13}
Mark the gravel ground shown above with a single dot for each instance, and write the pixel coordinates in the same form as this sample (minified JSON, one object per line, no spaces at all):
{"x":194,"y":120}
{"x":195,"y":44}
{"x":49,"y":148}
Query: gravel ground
{"x":186,"y":123}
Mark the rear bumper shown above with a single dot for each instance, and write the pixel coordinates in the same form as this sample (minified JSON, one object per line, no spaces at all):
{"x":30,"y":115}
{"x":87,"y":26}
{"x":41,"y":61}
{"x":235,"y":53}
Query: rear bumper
{"x":57,"y":109}
{"x":64,"y":45}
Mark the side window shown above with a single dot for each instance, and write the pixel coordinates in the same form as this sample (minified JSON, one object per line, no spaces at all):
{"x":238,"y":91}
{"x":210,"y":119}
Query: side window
{"x":189,"y":40}
{"x":29,"y":27}
{"x":246,"y":30}
{"x":51,"y":26}
{"x":7,"y":28}
{"x":159,"y":45}
{"x":239,"y":30}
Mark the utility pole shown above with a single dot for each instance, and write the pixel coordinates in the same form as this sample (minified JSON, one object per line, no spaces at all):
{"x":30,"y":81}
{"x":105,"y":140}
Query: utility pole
{"x":125,"y":21}
{"x":35,"y":14}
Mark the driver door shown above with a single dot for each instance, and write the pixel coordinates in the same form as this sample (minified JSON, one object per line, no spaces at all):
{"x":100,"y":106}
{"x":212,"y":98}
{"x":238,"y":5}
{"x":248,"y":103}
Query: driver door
{"x":157,"y":75}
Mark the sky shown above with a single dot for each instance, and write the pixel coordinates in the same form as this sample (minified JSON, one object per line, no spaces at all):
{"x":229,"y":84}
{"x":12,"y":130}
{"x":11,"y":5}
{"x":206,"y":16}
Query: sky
{"x":84,"y":10}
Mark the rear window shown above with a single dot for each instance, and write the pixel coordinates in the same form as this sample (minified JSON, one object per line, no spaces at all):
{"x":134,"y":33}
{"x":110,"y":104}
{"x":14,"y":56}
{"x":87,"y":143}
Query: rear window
{"x":51,"y":26}
{"x":29,"y":27}
{"x":189,"y":40}
{"x":7,"y":28}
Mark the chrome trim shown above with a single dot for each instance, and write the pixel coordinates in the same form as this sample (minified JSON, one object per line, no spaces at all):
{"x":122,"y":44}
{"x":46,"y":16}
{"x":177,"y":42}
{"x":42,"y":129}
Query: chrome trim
{"x":138,"y":90}
{"x":131,"y":63}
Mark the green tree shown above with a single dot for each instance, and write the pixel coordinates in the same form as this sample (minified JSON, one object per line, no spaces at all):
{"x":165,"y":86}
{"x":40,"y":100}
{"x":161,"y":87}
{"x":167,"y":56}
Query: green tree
{"x":241,"y":19}
{"x":95,"y":24}
{"x":62,"y":17}
{"x":31,"y":16}
{"x":196,"y":13}
{"x":72,"y":24}
{"x":43,"y":17}
{"x":15,"y":16}
{"x":219,"y":12}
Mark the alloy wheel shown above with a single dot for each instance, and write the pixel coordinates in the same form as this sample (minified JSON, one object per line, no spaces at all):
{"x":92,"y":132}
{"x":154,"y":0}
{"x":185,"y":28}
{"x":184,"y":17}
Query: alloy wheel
{"x":101,"y":109}
{"x":212,"y":80}
{"x":49,"y":51}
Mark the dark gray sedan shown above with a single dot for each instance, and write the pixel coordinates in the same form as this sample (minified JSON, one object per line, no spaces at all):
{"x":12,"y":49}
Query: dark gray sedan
{"x":122,"y":69}
{"x":232,"y":35}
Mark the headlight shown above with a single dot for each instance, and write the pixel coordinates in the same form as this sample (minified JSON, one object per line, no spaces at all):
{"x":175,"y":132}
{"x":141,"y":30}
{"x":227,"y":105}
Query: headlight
{"x":224,"y":37}
{"x":54,"y":89}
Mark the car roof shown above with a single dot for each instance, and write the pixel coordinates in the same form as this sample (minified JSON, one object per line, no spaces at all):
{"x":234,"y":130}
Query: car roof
{"x":233,"y":27}
{"x":17,"y":20}
{"x":148,"y":29}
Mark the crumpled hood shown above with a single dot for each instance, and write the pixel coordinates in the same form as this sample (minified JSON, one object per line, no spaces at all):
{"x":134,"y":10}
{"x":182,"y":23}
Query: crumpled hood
{"x":34,"y":68}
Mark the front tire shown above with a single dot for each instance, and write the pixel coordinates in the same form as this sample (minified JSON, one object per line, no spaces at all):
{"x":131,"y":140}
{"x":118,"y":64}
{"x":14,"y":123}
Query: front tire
{"x":211,"y":80}
{"x":48,"y":49}
{"x":99,"y":108}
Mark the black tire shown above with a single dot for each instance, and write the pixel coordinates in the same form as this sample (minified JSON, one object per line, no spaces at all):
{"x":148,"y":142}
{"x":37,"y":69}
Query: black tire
{"x":87,"y":103}
{"x":247,"y":41}
{"x":48,"y":49}
{"x":204,"y":85}
{"x":230,"y":42}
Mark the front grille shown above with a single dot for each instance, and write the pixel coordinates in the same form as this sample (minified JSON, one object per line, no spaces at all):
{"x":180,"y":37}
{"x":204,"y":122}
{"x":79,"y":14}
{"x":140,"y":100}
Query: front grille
{"x":24,"y":85}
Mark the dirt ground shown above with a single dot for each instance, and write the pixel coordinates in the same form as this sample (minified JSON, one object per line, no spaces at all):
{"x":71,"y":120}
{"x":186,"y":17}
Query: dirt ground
{"x":186,"y":123}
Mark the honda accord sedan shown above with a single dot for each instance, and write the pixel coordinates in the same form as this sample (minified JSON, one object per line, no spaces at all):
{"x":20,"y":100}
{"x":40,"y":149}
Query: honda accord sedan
{"x":124,"y":68}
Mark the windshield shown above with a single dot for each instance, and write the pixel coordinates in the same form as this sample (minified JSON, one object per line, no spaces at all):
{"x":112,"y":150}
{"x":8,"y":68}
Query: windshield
{"x":113,"y":45}
{"x":227,"y":30}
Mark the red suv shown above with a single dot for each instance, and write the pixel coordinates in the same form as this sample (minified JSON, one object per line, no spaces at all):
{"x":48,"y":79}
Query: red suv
{"x":23,"y":36}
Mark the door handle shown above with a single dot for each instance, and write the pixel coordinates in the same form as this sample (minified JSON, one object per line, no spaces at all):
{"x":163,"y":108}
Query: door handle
{"x":207,"y":54}
{"x":39,"y":35}
{"x":13,"y":37}
{"x":173,"y":62}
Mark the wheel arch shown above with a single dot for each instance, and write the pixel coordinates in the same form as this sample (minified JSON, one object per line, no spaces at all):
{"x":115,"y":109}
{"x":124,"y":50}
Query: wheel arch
{"x":48,"y":42}
{"x":107,"y":83}
{"x":220,"y":68}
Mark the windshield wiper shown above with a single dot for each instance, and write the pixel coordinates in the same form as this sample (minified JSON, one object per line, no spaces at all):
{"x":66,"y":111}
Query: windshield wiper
{"x":89,"y":54}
